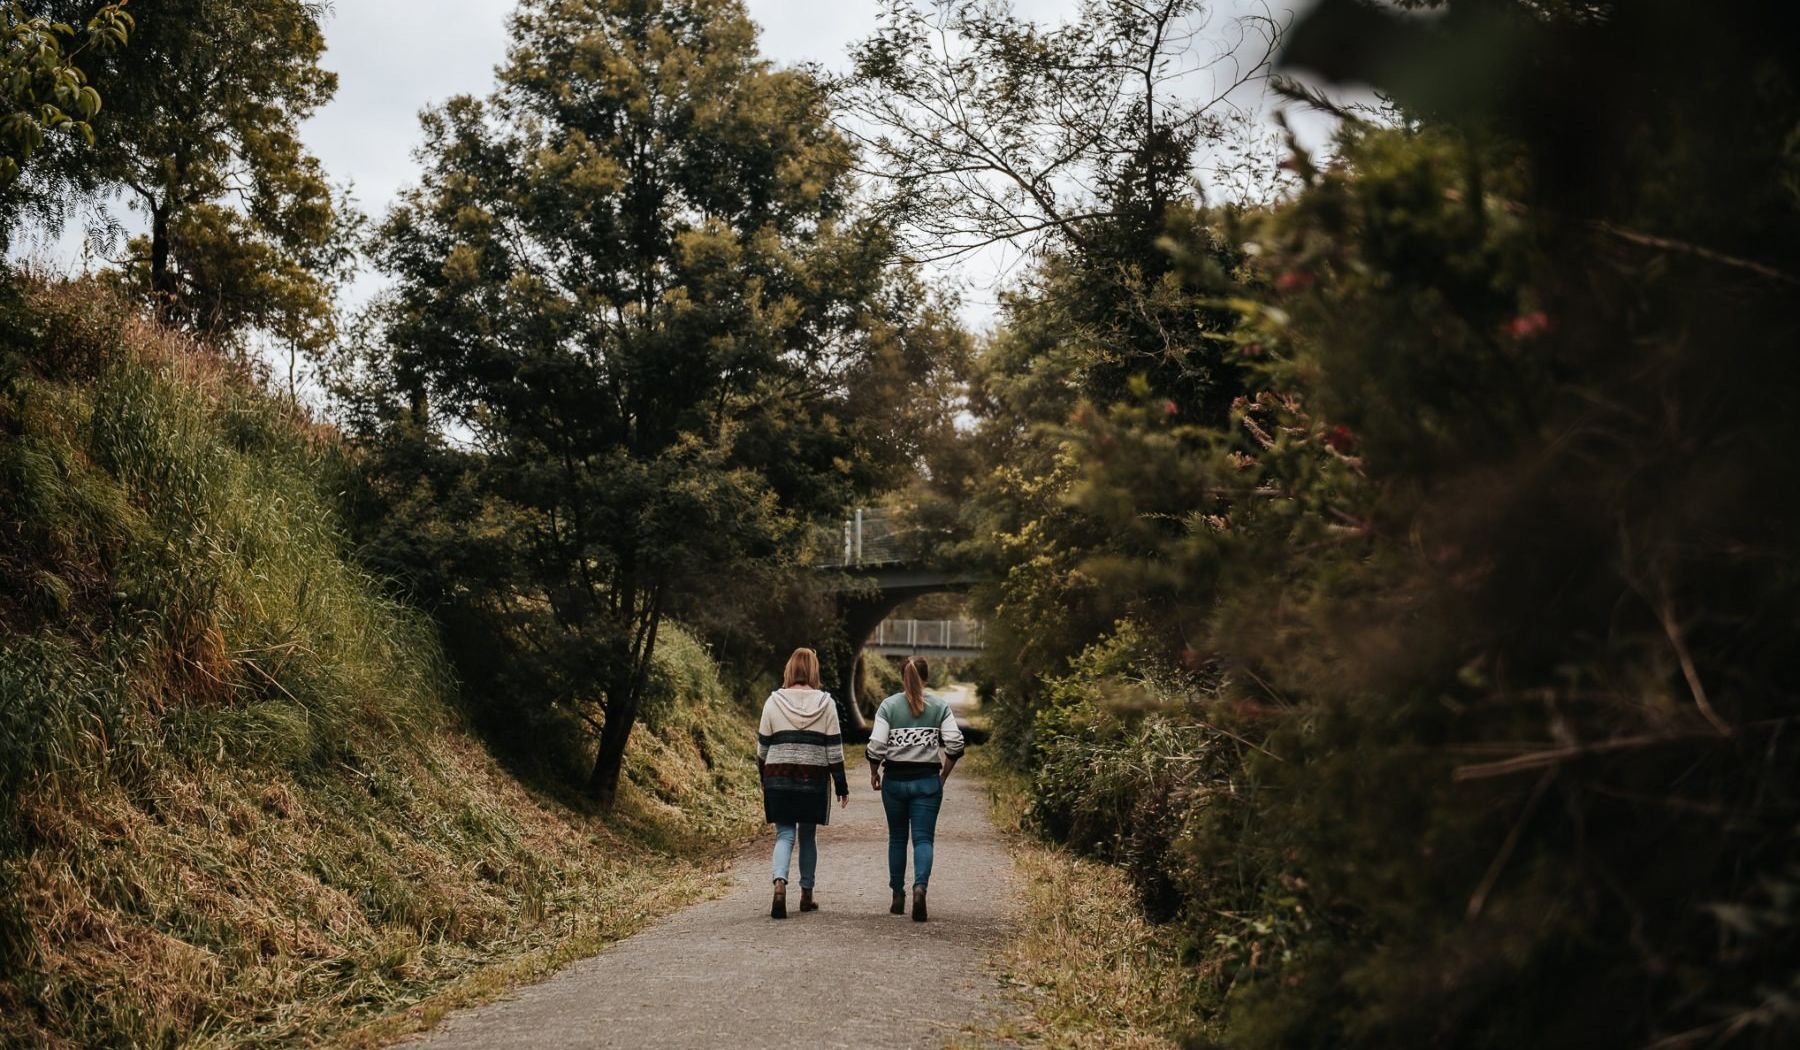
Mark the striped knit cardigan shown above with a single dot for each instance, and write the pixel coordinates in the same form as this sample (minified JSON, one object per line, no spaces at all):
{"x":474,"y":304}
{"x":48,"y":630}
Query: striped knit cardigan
{"x":798,"y":743}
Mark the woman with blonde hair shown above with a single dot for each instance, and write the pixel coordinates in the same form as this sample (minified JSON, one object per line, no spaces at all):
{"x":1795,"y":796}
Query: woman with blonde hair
{"x":798,"y":743}
{"x":915,"y":745}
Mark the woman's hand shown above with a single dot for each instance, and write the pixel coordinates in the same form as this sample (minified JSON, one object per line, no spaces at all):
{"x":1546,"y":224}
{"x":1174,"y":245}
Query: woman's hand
{"x":843,"y":801}
{"x":874,"y":779}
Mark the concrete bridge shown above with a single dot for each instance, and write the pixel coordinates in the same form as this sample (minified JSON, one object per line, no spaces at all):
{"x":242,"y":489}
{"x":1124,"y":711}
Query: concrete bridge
{"x":883,"y":566}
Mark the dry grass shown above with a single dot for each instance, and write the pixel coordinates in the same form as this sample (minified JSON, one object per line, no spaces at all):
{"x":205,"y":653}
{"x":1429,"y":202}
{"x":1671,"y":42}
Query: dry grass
{"x":1085,"y":966}
{"x":228,"y":909}
{"x":236,"y":803}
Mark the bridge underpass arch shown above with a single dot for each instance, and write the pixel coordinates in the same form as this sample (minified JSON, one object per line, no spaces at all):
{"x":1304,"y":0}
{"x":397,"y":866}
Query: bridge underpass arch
{"x":882,"y":575}
{"x":860,"y":614}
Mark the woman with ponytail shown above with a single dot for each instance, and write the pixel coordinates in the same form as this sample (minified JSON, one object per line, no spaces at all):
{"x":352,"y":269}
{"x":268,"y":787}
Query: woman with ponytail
{"x":912,"y":750}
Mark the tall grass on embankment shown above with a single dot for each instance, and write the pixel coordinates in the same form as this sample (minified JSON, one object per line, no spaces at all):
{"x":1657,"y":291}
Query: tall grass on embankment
{"x":236,"y":804}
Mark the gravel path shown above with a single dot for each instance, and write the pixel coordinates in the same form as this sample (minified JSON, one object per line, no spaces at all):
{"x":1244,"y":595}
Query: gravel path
{"x":722,"y":973}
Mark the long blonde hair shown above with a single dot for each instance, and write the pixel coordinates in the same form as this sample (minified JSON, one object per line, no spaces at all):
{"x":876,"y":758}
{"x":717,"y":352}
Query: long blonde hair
{"x":912,"y":679}
{"x":802,"y":669}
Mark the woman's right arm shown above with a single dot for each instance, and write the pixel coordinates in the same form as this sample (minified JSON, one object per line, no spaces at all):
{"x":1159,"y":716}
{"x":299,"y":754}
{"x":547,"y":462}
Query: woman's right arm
{"x":764,"y":728}
{"x":876,"y":752}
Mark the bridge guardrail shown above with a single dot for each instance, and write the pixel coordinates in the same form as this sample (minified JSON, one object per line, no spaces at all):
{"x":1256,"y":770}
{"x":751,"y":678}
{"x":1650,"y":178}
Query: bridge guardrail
{"x":871,"y":536}
{"x":928,"y":634}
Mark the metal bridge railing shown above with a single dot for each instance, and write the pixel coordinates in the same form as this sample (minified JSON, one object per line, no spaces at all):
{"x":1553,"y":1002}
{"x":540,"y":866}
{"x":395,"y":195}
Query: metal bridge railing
{"x":927,"y":634}
{"x":871,"y":536}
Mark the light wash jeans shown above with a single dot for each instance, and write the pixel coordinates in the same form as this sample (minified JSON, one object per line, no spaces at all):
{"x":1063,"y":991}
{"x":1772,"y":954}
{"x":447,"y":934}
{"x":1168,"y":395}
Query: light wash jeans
{"x":911,"y":803}
{"x":784,"y":852}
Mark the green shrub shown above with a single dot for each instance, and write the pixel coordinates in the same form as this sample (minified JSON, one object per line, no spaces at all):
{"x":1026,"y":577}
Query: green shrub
{"x":880,"y":679}
{"x":1133,"y":766}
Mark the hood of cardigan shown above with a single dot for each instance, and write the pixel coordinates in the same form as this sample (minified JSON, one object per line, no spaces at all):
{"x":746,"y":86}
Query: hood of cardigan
{"x":805,"y":708}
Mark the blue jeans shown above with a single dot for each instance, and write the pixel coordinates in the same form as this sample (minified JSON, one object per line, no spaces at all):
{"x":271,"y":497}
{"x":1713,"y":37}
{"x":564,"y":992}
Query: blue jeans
{"x":914,"y":803}
{"x":809,"y":851}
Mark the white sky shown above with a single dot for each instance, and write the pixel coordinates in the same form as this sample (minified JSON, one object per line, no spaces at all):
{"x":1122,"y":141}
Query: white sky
{"x":395,"y":58}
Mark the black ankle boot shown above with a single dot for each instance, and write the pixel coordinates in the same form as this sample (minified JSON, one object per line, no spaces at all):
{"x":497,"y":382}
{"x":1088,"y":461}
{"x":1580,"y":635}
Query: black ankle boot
{"x":899,"y":906}
{"x":806,"y":901}
{"x":918,"y":904}
{"x":778,"y":910}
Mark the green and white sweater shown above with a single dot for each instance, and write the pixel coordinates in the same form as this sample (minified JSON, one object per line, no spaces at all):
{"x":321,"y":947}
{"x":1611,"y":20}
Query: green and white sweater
{"x":911,"y":747}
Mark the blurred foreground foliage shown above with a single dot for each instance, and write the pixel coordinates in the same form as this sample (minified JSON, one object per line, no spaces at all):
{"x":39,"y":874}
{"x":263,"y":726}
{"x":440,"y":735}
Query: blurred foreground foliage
{"x":44,"y":92}
{"x":1443,"y":686}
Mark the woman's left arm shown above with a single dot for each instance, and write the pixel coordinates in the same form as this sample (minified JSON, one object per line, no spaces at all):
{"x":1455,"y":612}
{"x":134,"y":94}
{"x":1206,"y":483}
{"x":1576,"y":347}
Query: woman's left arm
{"x":954,"y":744}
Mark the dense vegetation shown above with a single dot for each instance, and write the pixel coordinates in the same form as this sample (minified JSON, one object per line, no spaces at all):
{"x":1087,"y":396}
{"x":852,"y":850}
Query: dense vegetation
{"x":1415,"y":622}
{"x":1392,"y":562}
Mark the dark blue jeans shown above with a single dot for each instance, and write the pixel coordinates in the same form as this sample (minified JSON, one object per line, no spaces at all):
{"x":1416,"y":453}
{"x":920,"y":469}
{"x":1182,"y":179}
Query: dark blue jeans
{"x":914,"y":804}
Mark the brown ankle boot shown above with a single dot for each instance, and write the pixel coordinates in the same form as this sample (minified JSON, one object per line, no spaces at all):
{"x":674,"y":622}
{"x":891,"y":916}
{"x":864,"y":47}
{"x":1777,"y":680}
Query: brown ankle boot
{"x":778,"y":910}
{"x":806,"y":901}
{"x":918,"y":904}
{"x":899,"y":905}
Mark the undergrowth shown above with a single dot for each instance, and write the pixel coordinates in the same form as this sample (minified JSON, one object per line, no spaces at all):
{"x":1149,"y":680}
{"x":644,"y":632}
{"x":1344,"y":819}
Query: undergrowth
{"x":1086,"y":966}
{"x":237,"y":802}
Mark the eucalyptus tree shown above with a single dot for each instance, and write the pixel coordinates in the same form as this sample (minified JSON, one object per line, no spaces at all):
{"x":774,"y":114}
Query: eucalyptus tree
{"x":635,"y":285}
{"x":1083,"y":145}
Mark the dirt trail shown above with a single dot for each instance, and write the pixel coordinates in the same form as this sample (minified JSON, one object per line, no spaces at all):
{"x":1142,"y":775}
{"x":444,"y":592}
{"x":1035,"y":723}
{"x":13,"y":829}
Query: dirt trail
{"x":722,"y":973}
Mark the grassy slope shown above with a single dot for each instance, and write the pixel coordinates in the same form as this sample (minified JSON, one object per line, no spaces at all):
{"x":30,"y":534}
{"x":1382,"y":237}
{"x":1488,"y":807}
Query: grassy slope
{"x":236,"y":805}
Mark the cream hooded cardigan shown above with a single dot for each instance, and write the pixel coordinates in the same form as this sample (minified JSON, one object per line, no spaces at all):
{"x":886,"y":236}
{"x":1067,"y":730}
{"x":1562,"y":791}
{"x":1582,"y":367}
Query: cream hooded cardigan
{"x":799,"y":744}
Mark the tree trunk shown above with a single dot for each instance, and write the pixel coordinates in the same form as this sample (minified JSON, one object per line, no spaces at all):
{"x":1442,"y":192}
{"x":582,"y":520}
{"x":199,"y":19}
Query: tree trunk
{"x":162,"y":278}
{"x":622,"y":701}
{"x":621,"y":716}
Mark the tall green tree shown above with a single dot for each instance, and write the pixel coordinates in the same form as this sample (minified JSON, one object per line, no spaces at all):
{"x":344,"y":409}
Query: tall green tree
{"x":203,"y":137}
{"x":633,"y":285}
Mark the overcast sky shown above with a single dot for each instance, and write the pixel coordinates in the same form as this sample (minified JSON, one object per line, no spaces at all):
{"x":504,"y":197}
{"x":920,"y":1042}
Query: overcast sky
{"x":395,"y":58}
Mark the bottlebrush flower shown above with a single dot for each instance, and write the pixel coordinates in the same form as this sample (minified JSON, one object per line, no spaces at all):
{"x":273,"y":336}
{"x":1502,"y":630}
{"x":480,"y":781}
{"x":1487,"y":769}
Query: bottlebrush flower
{"x":1528,"y":326}
{"x":1294,"y":281}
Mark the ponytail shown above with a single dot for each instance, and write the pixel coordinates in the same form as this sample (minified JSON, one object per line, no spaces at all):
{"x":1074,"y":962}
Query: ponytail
{"x":912,"y":679}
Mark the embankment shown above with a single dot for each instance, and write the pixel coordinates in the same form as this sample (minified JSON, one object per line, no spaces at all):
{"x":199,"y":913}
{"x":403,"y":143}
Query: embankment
{"x":237,"y":800}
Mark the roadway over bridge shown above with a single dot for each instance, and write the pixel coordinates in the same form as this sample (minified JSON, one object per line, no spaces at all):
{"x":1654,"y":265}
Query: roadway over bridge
{"x":885,"y":565}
